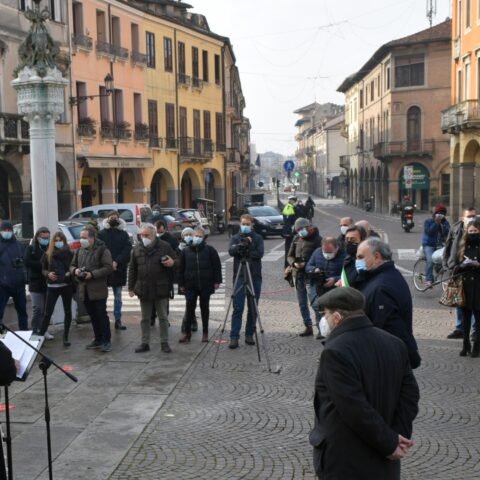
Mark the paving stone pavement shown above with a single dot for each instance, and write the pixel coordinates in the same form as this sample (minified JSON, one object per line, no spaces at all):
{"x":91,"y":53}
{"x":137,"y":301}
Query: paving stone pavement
{"x":238,"y":421}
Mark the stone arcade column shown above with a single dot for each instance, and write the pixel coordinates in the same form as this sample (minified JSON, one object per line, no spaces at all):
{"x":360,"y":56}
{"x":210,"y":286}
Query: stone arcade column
{"x":40,"y":98}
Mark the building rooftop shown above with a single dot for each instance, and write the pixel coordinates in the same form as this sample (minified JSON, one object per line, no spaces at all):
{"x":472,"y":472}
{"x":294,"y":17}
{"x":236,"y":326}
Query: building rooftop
{"x":439,"y":33}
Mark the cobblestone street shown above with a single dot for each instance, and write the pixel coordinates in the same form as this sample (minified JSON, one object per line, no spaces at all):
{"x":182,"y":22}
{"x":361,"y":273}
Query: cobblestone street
{"x":240,"y":422}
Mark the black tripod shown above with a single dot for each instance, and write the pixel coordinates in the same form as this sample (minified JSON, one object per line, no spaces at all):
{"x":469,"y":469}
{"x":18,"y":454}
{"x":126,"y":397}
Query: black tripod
{"x":252,"y":306}
{"x":44,"y":365}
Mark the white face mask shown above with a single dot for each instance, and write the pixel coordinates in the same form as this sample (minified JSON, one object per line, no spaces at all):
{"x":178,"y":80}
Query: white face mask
{"x":84,"y":242}
{"x":325,"y":328}
{"x":343,"y":229}
{"x":146,"y":241}
{"x":328,"y":256}
{"x":467,"y":220}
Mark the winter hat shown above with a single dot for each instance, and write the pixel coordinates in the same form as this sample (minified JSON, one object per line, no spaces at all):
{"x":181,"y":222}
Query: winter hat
{"x":301,"y":223}
{"x":6,"y":225}
{"x":345,"y":298}
{"x":441,"y":209}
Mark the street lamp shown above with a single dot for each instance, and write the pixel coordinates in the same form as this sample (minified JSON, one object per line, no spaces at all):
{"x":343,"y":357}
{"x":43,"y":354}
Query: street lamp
{"x":109,"y":88}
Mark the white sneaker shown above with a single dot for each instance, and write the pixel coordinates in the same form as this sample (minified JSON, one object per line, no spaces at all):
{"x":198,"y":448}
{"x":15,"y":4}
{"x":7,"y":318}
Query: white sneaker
{"x":48,"y":336}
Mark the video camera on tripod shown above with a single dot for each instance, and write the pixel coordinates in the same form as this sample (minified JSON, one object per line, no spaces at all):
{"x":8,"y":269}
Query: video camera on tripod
{"x":318,"y":279}
{"x":243,"y":248}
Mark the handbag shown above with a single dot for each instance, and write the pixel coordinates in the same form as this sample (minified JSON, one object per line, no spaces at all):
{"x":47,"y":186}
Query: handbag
{"x":453,"y":296}
{"x":288,"y":276}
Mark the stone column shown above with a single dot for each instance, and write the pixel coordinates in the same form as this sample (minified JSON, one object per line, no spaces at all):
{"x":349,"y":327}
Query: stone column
{"x":41,"y":101}
{"x":466,"y":185}
{"x":455,"y":191}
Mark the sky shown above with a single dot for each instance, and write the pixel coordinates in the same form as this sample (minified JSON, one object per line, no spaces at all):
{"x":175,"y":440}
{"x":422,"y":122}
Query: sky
{"x":291,"y":53}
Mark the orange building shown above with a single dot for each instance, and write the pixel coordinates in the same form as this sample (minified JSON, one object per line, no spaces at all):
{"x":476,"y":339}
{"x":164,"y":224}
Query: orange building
{"x":462,"y":119}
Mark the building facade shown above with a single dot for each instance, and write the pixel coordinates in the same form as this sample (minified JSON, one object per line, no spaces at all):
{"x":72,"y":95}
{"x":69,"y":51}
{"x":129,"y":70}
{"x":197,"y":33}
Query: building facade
{"x":393,"y":104}
{"x":15,"y":176}
{"x":154,"y":111}
{"x":462,"y":119}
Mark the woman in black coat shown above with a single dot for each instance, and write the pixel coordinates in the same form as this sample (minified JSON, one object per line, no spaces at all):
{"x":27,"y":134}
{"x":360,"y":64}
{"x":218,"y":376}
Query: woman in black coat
{"x":469,"y":265}
{"x":56,"y":269}
{"x":199,"y":275}
{"x":37,"y":285}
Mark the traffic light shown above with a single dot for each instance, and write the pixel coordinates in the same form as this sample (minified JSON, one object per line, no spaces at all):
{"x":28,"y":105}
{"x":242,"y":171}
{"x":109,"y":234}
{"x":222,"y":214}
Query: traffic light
{"x":297,"y":174}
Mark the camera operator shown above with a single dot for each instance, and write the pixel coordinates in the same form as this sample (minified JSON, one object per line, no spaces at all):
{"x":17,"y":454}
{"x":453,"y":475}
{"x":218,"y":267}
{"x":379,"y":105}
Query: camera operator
{"x":305,"y":242}
{"x":12,"y":274}
{"x":91,"y":265}
{"x":325,"y":267}
{"x":249,"y":246}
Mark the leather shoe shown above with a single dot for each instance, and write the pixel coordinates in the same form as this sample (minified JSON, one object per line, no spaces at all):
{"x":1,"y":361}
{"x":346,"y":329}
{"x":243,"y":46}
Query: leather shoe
{"x":308,"y":332}
{"x":205,"y":337}
{"x":455,"y":334}
{"x":144,"y":347}
{"x":249,"y":340}
{"x":119,"y":325}
{"x":165,"y":347}
{"x":186,"y":338}
{"x":233,"y":343}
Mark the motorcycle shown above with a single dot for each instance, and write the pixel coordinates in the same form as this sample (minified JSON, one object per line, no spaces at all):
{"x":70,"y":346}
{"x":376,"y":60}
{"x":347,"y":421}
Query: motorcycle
{"x":407,"y":218}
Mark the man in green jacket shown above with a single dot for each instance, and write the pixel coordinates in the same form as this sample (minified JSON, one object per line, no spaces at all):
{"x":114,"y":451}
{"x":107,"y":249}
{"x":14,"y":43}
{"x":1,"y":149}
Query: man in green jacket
{"x":91,"y":266}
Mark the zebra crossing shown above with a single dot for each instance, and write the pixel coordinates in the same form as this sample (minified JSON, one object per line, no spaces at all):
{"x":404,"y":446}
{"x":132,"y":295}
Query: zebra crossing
{"x":132,"y":305}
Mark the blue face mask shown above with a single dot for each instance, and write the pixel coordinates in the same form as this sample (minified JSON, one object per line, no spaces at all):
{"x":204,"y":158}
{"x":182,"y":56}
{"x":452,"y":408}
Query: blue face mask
{"x":197,"y":240}
{"x":43,"y":241}
{"x":7,"y":235}
{"x":59,"y":244}
{"x":188,"y":239}
{"x":303,"y":232}
{"x":245,"y":229}
{"x":360,"y":264}
{"x":156,"y":213}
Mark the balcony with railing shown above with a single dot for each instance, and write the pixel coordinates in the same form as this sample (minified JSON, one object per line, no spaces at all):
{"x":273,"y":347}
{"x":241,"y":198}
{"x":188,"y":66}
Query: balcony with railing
{"x":104,"y":48}
{"x":462,"y":116}
{"x":419,"y":148}
{"x":13,"y":130}
{"x":155,"y":142}
{"x":171,"y":143}
{"x":233,"y":156}
{"x":195,"y":149}
{"x":197,"y":83}
{"x":139,"y":58}
{"x":183,"y":80}
{"x":120,"y":131}
{"x":82,"y":42}
{"x":120,"y":52}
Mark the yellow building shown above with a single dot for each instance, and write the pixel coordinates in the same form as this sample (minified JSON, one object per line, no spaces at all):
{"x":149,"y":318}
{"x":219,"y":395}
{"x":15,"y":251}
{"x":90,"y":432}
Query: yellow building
{"x":462,"y":119}
{"x":169,"y":144}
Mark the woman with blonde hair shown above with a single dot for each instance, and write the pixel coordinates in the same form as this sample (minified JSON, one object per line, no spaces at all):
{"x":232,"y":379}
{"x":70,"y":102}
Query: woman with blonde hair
{"x":56,"y":269}
{"x":469,"y":266}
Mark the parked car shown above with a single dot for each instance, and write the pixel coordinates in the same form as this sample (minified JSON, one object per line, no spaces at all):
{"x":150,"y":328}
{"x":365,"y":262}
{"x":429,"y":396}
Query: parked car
{"x":188,"y":217}
{"x":174,"y":226}
{"x":268,"y":220}
{"x":200,"y":216}
{"x":70,"y":229}
{"x":133,"y":214}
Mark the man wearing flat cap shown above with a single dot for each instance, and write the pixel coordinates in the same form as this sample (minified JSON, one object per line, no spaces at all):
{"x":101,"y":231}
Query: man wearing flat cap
{"x":366,"y":396}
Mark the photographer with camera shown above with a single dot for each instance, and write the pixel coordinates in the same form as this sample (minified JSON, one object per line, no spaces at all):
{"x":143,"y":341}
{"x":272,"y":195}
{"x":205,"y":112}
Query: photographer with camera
{"x":324,"y":268}
{"x":305,"y":242}
{"x":245,"y":245}
{"x":149,"y":279}
{"x":55,"y":268}
{"x":12,"y":274}
{"x":91,"y":266}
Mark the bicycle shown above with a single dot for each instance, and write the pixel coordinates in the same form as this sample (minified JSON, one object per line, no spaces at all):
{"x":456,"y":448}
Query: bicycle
{"x":440,"y":274}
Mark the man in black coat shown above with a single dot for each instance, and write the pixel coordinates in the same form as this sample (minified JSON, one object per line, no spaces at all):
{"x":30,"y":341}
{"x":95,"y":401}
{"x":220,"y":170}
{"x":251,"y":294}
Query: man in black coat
{"x":388,"y":298}
{"x":8,"y":369}
{"x":114,"y":235}
{"x":165,"y":235}
{"x":366,"y":396}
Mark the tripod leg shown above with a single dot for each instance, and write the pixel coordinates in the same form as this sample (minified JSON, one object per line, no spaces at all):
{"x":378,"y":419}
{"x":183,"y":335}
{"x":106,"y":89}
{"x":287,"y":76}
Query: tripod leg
{"x":3,"y":467}
{"x":251,"y":311}
{"x":8,"y":438}
{"x":259,"y":321}
{"x":234,"y":291}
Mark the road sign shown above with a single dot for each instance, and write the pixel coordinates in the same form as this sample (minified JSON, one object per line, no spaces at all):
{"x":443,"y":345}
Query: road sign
{"x":289,"y":166}
{"x":408,"y":176}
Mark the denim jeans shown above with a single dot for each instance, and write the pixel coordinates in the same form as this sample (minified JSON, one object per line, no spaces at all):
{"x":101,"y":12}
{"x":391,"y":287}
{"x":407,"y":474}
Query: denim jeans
{"x":312,"y":295}
{"x":239,"y":305}
{"x":20,"y":302}
{"x":428,"y":257}
{"x":38,"y":309}
{"x":303,"y":300}
{"x":117,"y":302}
{"x":459,"y":321}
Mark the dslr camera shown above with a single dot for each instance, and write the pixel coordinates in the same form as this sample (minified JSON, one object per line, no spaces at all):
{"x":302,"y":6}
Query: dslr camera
{"x":243,"y":248}
{"x":83,"y":273}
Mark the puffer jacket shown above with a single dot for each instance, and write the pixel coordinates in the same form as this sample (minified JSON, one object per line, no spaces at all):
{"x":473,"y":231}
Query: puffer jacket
{"x":12,"y":272}
{"x":200,"y":268}
{"x":118,"y":242}
{"x":60,"y":264}
{"x":303,"y":247}
{"x":435,"y":234}
{"x":147,"y":277}
{"x":33,"y":263}
{"x":331,"y":268}
{"x":97,"y":260}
